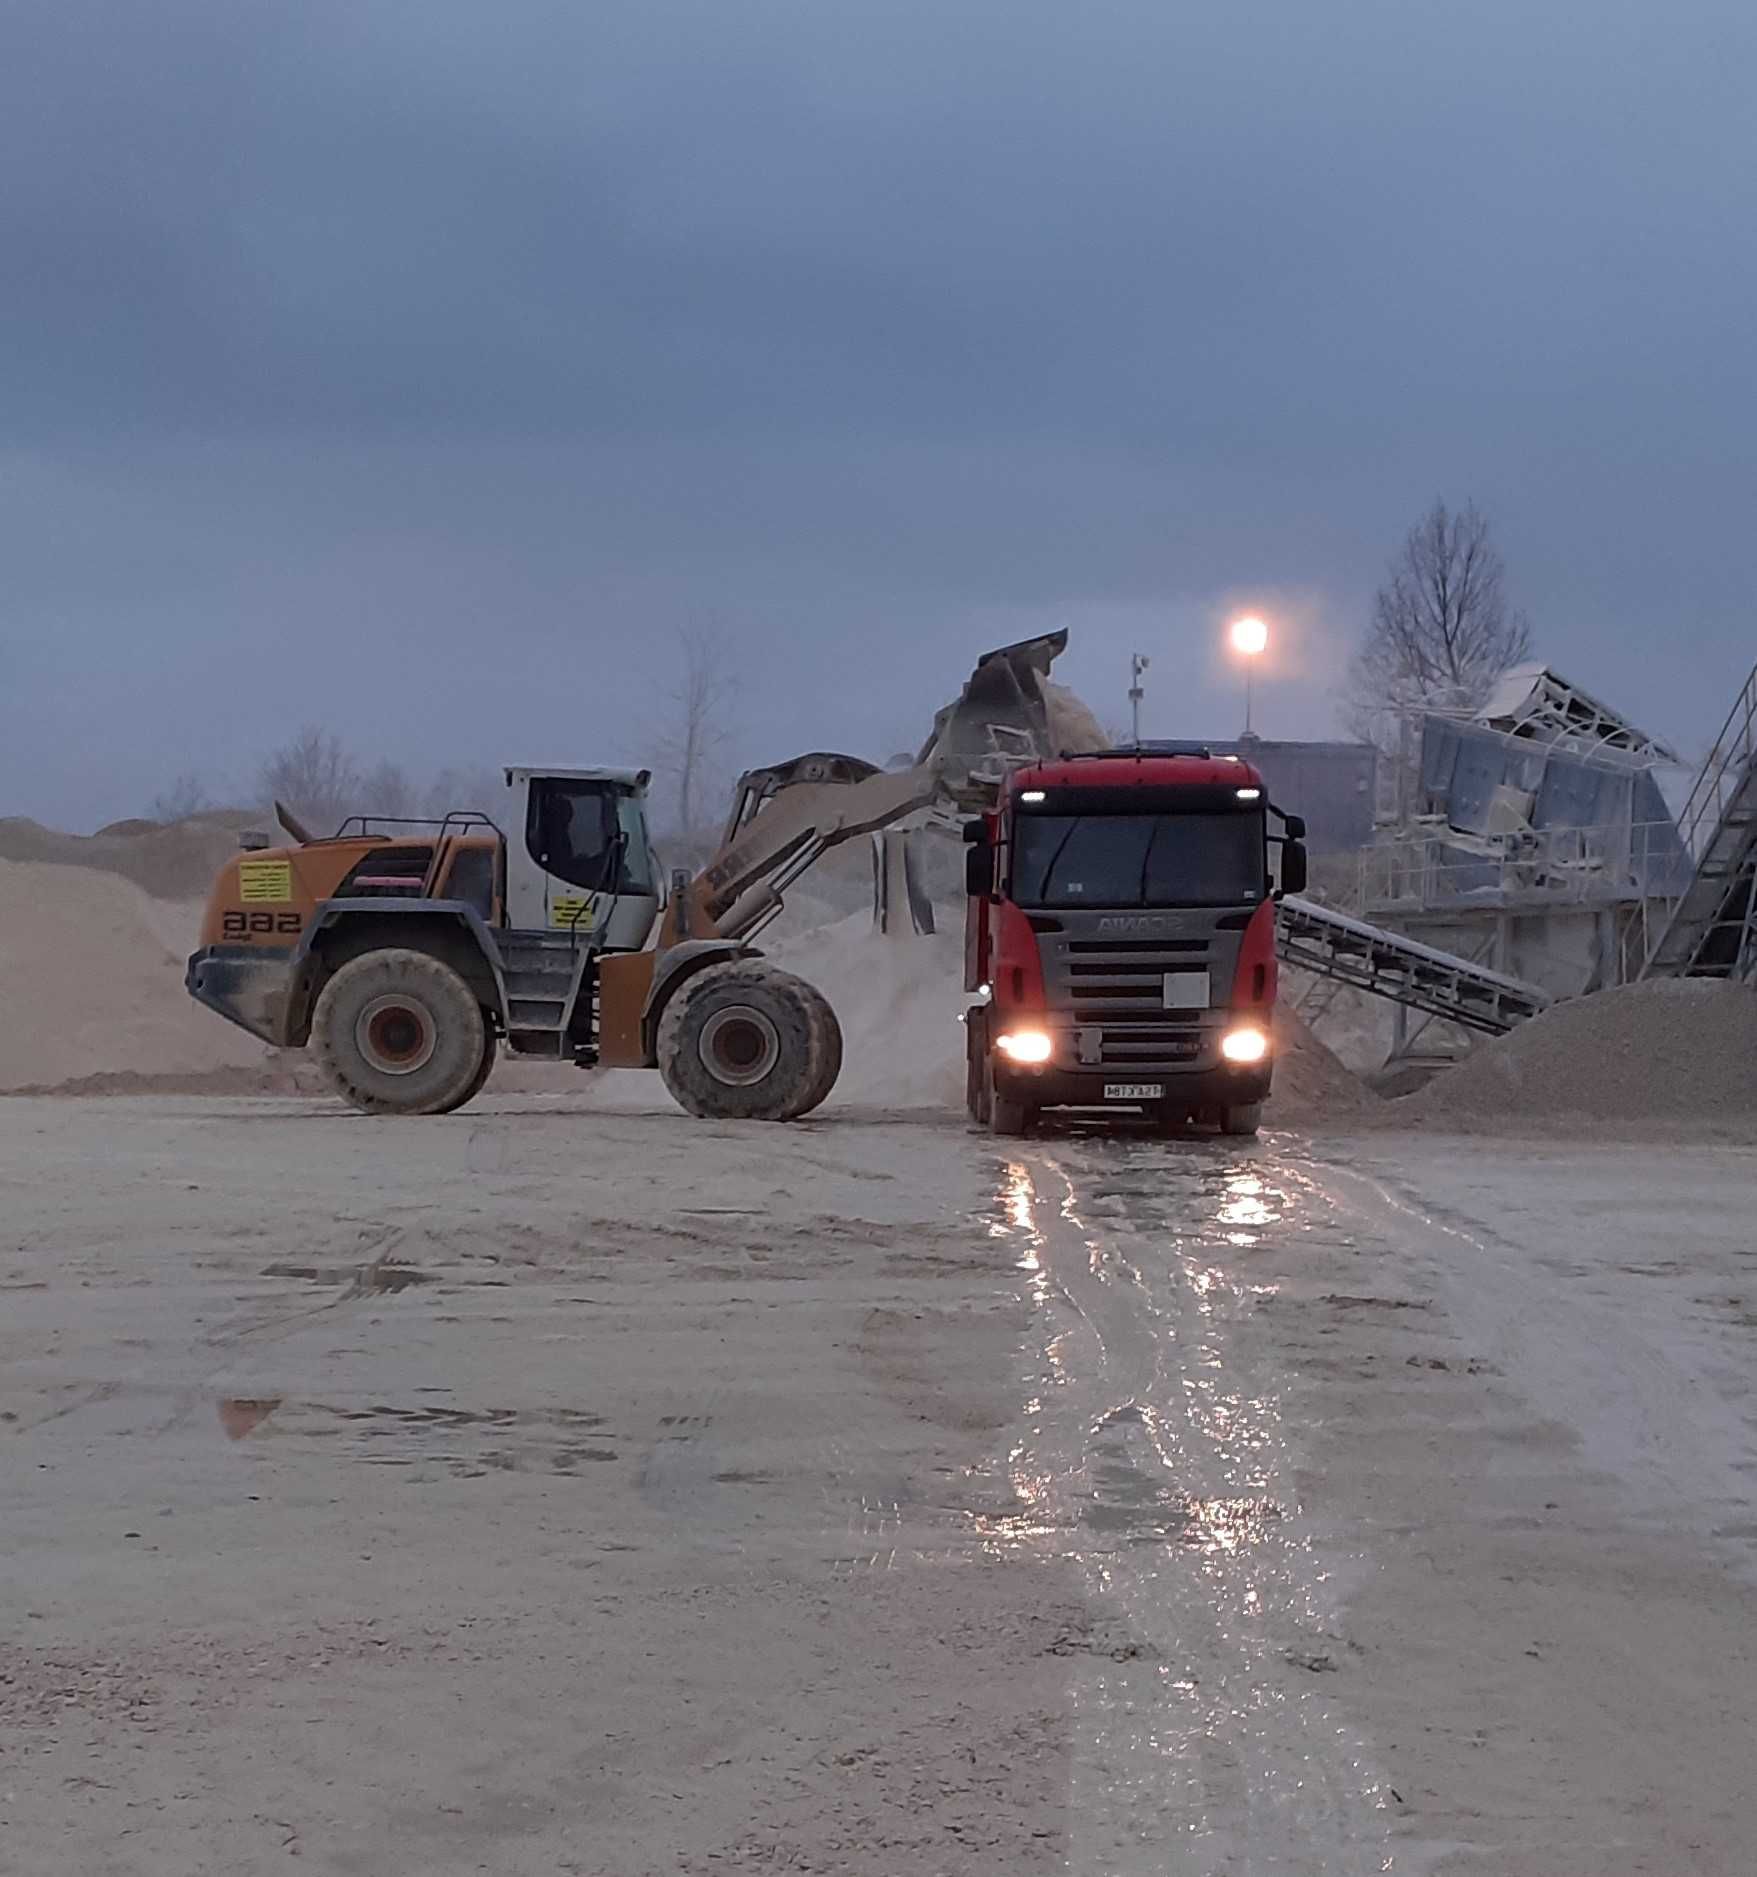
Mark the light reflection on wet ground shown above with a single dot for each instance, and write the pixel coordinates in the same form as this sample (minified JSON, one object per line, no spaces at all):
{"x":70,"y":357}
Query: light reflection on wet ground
{"x":1154,"y":1455}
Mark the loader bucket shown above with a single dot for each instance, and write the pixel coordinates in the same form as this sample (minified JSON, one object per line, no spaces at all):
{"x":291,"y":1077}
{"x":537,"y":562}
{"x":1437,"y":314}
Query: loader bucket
{"x":1002,"y":709}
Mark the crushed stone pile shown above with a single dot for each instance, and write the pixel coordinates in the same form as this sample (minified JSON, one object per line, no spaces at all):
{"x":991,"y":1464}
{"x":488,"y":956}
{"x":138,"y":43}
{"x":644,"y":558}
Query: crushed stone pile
{"x":171,"y":860}
{"x":91,"y":986}
{"x":1669,"y":1050}
{"x":1312,"y":1083}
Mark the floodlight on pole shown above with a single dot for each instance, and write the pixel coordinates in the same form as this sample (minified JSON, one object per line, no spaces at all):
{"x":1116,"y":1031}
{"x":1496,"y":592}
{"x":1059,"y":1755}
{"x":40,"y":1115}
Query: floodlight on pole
{"x":1250,"y":639}
{"x":1136,"y":693}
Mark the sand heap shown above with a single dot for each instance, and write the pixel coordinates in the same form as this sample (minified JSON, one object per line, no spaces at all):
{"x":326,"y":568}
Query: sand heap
{"x":171,"y":860}
{"x":91,"y":989}
{"x":898,"y":1001}
{"x":1677,"y":1050}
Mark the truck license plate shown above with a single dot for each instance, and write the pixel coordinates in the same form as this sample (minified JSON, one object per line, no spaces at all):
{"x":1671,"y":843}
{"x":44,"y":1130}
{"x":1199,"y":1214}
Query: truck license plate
{"x":1133,"y":1091}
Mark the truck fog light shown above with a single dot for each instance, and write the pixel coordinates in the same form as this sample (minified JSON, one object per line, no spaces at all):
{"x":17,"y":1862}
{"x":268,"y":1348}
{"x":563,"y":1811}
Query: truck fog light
{"x":1024,"y":1045}
{"x":1244,"y":1046}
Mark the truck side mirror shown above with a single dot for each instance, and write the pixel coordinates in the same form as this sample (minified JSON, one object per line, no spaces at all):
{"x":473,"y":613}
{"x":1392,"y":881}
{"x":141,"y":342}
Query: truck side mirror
{"x":979,"y":870}
{"x":975,"y":831}
{"x":1296,"y":827}
{"x":1294,"y":868}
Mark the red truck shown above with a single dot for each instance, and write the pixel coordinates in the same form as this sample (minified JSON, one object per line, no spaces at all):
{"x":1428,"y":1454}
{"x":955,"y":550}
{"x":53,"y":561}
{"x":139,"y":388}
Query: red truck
{"x":1120,"y":935}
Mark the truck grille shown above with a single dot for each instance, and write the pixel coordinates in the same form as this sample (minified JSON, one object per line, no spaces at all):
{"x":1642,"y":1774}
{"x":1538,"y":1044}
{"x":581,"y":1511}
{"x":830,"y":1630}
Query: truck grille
{"x":1112,"y":992}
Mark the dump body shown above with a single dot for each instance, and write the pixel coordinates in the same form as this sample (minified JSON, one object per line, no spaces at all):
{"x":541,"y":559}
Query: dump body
{"x":1120,"y":930}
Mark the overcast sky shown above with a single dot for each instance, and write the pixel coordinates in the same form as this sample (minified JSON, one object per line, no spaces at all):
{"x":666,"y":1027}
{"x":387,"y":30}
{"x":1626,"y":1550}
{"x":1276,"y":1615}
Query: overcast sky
{"x":419,"y":370}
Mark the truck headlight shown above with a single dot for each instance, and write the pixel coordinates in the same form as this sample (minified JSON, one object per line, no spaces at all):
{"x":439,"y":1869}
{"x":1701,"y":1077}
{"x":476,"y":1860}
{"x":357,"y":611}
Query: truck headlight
{"x":1244,"y":1046}
{"x":1024,"y":1045}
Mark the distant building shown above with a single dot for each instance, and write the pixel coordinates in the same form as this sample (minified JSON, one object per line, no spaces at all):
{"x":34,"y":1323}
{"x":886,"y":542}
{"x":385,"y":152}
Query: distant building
{"x":1331,"y":784}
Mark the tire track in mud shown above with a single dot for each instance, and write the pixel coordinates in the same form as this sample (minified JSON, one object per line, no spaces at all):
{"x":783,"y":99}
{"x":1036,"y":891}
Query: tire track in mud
{"x":1155,"y":1457}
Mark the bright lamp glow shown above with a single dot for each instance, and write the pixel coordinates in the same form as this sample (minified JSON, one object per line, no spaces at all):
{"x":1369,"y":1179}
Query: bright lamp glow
{"x":1024,"y":1045}
{"x":1031,"y":795}
{"x":1244,"y":1046}
{"x":1250,"y":637}
{"x":1250,"y":795}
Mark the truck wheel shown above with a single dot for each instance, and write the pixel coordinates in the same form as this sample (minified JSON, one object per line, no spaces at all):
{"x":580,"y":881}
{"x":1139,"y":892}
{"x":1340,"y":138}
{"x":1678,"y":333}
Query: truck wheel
{"x":827,"y":1036}
{"x":741,"y":1041}
{"x":976,"y":1066}
{"x":397,"y":1032}
{"x":1008,"y":1115}
{"x":1244,"y":1119}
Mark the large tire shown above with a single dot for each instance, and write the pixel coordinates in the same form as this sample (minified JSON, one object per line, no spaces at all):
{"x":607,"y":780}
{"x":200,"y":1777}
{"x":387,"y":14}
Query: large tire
{"x":490,"y":1051}
{"x":1244,"y":1120}
{"x":1008,"y":1115}
{"x":742,"y":1041}
{"x":398,"y":1032}
{"x":976,"y":1065}
{"x":827,"y":1038}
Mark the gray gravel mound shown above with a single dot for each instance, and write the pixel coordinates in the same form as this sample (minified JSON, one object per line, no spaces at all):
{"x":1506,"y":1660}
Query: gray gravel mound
{"x":1674,"y":1049}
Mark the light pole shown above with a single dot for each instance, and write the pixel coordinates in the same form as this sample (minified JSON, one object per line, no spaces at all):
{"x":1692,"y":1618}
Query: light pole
{"x":1250,"y":637}
{"x":1136,"y":668}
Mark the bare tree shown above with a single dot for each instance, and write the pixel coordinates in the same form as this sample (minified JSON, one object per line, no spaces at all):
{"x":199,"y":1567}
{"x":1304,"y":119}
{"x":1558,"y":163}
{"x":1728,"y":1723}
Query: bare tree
{"x":316,"y":778}
{"x":185,"y":797}
{"x":1442,"y":631}
{"x":691,"y":748}
{"x":386,"y":790}
{"x":465,"y":790}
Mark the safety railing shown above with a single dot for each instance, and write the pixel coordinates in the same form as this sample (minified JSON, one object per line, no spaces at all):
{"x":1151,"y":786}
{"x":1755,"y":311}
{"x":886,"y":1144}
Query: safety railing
{"x":1723,"y":774}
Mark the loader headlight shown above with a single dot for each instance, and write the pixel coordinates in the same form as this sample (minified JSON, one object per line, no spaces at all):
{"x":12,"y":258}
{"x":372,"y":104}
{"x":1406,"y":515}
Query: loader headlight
{"x":1024,"y":1045}
{"x":1244,"y":1045}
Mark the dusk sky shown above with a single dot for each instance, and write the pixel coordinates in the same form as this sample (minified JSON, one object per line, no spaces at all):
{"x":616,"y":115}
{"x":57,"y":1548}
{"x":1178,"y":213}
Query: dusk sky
{"x":421,"y":370}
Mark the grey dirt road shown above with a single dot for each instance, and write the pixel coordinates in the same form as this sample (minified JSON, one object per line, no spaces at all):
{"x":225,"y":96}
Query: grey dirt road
{"x":558,"y":1489}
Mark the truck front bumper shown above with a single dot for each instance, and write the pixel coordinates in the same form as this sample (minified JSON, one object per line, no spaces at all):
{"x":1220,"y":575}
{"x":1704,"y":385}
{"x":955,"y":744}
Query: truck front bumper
{"x":1182,"y":1087}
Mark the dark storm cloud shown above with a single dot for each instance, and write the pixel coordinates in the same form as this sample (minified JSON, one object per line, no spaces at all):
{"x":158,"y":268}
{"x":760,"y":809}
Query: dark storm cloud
{"x":436,"y":333}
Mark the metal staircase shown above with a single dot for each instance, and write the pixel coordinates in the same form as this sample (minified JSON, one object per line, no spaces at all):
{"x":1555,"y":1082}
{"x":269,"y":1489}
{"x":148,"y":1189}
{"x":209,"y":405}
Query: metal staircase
{"x":1386,"y":964}
{"x":543,"y":972}
{"x":1712,"y":932}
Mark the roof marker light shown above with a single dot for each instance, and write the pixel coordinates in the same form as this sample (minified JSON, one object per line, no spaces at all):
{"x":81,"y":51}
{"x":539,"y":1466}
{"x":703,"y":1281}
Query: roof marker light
{"x":1250,"y":795}
{"x":1031,"y":795}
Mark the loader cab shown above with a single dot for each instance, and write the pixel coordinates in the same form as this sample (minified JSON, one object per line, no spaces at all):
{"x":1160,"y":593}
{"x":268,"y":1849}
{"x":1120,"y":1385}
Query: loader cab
{"x":577,"y":855}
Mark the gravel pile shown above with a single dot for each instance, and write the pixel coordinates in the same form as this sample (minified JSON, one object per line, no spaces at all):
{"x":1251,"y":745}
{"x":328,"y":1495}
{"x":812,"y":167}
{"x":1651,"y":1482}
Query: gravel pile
{"x":1671,"y":1050}
{"x":1312,"y":1083}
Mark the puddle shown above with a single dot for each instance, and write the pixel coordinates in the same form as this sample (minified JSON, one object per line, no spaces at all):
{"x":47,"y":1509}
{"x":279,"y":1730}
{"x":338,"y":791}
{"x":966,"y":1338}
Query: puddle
{"x":243,"y":1414}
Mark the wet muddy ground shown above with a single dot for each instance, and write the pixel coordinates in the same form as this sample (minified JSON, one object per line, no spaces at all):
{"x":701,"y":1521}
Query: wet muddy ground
{"x":549,"y":1490}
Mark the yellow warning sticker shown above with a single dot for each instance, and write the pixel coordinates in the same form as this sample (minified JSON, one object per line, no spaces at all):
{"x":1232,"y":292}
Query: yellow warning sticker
{"x":571,"y":914}
{"x":265,"y":882}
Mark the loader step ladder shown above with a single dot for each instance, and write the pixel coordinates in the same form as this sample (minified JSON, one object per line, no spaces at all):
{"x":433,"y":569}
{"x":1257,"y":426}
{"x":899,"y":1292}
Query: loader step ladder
{"x":1712,"y":932}
{"x":1386,"y":964}
{"x":543,"y":971}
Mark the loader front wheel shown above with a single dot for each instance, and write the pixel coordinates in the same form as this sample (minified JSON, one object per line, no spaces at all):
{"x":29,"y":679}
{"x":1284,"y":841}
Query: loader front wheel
{"x":741,"y":1041}
{"x":397,"y":1032}
{"x":827,"y":1036}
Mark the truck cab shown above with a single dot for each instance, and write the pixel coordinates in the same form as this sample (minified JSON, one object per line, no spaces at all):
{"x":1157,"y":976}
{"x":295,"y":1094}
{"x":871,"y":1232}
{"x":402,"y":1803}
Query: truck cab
{"x":1120,"y":939}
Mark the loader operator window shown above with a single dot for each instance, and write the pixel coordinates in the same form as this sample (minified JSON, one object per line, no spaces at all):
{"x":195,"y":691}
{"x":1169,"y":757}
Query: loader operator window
{"x":1138,"y":860}
{"x":571,"y":831}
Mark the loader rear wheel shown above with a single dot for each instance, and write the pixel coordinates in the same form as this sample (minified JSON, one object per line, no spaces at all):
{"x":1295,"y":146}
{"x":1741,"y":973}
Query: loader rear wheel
{"x":741,"y":1041}
{"x":397,"y":1032}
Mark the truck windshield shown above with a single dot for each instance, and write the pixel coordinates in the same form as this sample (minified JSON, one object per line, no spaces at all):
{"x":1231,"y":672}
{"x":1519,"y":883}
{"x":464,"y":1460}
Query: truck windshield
{"x":1138,"y":860}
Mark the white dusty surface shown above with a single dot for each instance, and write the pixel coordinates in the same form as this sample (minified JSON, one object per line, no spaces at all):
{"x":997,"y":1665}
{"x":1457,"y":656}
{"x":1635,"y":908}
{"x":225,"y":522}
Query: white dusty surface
{"x":560,"y":1488}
